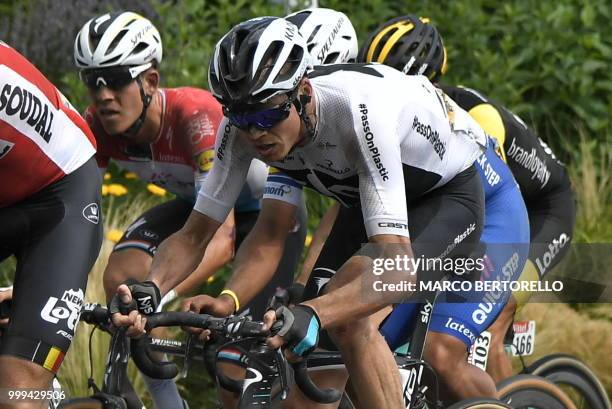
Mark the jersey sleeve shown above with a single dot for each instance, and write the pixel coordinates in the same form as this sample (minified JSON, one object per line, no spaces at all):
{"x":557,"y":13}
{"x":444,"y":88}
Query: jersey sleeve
{"x":220,"y":189}
{"x":381,"y":180}
{"x":280,"y":186}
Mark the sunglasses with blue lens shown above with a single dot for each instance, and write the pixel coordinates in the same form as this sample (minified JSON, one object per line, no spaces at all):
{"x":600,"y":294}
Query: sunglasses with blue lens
{"x":264,"y":119}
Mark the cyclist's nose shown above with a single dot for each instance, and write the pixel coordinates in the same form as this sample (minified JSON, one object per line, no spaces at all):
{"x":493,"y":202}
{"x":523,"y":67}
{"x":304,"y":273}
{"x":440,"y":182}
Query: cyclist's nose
{"x":104,"y":94}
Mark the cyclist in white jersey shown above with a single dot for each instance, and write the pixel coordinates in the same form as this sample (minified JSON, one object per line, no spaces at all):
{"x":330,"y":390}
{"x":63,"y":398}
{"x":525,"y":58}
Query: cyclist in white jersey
{"x":365,"y":135}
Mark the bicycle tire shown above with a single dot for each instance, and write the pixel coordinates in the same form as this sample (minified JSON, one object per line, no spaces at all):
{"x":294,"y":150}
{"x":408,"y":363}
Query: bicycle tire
{"x":533,"y":392}
{"x":81,"y":403}
{"x":479,"y":403}
{"x":563,"y":369}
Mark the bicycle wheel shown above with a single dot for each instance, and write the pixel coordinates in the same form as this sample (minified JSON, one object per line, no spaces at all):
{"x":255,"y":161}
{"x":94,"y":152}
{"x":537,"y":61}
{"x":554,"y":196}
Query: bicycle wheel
{"x":533,"y":392}
{"x":81,"y":403}
{"x":479,"y":403}
{"x":575,"y":378}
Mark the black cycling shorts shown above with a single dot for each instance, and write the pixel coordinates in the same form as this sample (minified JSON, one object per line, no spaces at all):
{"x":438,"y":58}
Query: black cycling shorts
{"x":56,"y":236}
{"x":154,"y":226}
{"x":435,"y":221}
{"x":551,"y":220}
{"x":159,"y":222}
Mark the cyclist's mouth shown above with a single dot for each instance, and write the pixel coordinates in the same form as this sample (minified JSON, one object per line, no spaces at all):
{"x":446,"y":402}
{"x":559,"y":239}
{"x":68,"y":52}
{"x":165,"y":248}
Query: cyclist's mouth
{"x":108,"y":113}
{"x":265,"y":149}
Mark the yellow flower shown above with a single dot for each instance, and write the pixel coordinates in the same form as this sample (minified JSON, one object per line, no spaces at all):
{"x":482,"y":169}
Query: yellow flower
{"x":107,"y":176}
{"x":116,"y":189}
{"x":308,"y":240}
{"x":131,"y":175}
{"x":210,"y":279}
{"x":156,"y":190}
{"x":104,"y":190}
{"x":114,"y":235}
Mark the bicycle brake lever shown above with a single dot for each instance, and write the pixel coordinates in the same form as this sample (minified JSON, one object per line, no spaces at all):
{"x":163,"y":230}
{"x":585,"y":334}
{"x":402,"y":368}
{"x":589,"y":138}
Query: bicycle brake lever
{"x":187,"y":361}
{"x":281,"y":368}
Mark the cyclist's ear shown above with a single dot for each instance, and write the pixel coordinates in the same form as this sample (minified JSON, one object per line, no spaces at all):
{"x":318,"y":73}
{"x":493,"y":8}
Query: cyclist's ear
{"x":150,"y":80}
{"x":305,"y":87}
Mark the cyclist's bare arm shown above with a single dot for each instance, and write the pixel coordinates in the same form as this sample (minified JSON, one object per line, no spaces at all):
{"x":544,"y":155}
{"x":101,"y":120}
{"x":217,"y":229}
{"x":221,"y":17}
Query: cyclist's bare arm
{"x":344,"y":300}
{"x":182,"y":252}
{"x":262,"y":249}
{"x":219,"y":252}
{"x":318,"y":240}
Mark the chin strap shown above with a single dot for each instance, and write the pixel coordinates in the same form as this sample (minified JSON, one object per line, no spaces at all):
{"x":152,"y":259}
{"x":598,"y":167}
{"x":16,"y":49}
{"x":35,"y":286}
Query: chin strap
{"x":300,"y":105}
{"x":146,"y":101}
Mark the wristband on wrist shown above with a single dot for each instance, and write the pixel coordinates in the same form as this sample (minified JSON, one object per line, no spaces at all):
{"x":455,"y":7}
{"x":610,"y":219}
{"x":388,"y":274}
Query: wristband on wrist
{"x":234,"y":297}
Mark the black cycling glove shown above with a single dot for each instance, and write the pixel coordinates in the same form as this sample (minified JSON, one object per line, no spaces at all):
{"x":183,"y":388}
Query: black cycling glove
{"x":300,"y":328}
{"x":145,"y":298}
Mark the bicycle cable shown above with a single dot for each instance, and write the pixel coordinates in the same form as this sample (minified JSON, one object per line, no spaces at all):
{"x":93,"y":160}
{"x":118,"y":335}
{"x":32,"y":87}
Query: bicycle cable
{"x":91,"y":383}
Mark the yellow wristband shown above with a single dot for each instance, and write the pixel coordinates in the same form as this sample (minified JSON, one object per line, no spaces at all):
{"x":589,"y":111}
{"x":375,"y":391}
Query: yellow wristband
{"x":234,"y":297}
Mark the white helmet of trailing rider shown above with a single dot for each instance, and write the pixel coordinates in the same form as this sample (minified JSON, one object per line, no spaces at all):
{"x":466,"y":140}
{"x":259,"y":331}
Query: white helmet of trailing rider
{"x":329,"y":34}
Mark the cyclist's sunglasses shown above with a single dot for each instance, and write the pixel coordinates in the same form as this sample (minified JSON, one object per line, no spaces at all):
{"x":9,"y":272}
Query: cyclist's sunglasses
{"x":264,"y":119}
{"x":114,"y":78}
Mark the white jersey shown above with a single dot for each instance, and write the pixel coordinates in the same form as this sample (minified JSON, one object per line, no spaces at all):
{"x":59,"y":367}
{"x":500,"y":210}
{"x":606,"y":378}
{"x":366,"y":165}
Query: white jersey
{"x":382,"y":139}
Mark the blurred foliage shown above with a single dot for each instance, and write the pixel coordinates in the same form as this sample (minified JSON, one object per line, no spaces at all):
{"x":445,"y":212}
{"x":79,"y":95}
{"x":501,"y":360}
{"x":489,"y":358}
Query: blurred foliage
{"x":548,"y":61}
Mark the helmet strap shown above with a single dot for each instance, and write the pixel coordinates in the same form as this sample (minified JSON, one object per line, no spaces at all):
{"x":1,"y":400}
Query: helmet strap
{"x":300,"y":106}
{"x":146,"y":101}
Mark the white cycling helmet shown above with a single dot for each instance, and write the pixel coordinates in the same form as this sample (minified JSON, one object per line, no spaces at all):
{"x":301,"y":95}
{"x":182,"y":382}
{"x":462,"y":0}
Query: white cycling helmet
{"x":114,"y":39}
{"x":256,"y":60}
{"x":330,"y":35}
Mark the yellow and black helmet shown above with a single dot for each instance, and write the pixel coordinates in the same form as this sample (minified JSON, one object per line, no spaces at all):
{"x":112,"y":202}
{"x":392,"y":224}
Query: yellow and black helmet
{"x":410,"y":44}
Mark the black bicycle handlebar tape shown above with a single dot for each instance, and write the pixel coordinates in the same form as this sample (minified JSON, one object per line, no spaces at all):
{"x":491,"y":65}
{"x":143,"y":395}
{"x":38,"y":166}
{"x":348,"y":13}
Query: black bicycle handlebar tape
{"x":147,"y":364}
{"x":246,"y":328}
{"x":177,"y":319}
{"x":311,"y":390}
{"x":94,"y":314}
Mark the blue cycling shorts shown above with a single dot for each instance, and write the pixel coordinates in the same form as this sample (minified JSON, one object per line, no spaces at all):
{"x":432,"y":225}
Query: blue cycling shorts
{"x":506,"y":245}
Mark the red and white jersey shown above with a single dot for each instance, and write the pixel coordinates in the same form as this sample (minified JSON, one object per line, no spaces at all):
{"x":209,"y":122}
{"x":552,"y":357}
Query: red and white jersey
{"x":42,"y":137}
{"x":183,"y":150}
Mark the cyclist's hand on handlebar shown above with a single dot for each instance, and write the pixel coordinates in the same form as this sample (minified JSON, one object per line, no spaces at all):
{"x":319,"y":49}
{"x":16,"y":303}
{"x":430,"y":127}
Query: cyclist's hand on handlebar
{"x":133,"y":320}
{"x":205,"y":304}
{"x":300,"y":329}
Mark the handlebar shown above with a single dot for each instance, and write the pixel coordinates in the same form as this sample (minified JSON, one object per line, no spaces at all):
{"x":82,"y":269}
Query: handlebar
{"x":233,"y":328}
{"x":311,"y":390}
{"x":95,"y":314}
